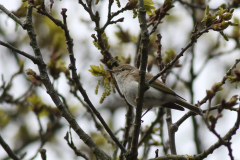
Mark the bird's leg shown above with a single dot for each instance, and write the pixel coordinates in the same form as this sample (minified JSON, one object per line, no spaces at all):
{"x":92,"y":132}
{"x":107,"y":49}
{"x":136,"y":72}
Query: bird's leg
{"x":143,"y":115}
{"x":146,"y":112}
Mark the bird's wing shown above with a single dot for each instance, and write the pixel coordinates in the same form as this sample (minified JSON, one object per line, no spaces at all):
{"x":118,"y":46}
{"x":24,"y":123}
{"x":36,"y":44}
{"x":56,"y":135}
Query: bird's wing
{"x":173,"y":106}
{"x":161,"y":86}
{"x":157,"y":84}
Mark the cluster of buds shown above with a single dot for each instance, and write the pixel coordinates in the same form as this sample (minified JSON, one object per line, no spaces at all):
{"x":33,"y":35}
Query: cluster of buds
{"x":232,"y":102}
{"x":236,"y":78}
{"x":33,"y":77}
{"x":56,"y":67}
{"x":224,"y":105}
{"x":219,"y":20}
{"x":169,"y":56}
{"x":215,"y":88}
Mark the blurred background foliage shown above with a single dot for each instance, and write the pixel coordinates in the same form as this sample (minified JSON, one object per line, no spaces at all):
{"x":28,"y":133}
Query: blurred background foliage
{"x":30,"y":121}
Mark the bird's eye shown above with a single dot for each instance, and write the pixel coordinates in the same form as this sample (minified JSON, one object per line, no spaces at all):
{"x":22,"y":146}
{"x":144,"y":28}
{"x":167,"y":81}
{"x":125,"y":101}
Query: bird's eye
{"x":122,"y":69}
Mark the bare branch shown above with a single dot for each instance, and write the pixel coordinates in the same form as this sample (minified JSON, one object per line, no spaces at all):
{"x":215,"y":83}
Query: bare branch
{"x":129,"y":120}
{"x":172,"y":157}
{"x":204,"y":100}
{"x":8,"y":149}
{"x":194,"y":38}
{"x":150,"y":129}
{"x":142,"y":87}
{"x":11,"y":15}
{"x":227,"y":137}
{"x":43,"y":154}
{"x":72,"y":145}
{"x":50,"y":90}
{"x":18,"y":51}
{"x":79,"y":86}
{"x":143,"y":52}
{"x":172,"y":129}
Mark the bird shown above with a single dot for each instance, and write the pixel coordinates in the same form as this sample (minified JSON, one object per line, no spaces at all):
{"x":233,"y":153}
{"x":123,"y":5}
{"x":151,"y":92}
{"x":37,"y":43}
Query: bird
{"x":158,"y":94}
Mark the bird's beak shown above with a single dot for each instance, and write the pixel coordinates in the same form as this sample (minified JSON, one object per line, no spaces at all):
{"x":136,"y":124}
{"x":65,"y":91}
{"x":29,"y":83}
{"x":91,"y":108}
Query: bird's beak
{"x":111,"y":71}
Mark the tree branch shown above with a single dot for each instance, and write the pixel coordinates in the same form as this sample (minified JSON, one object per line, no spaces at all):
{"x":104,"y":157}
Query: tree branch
{"x":72,"y":66}
{"x":204,"y":100}
{"x":150,"y":129}
{"x":129,"y":120}
{"x":142,"y":87}
{"x":6,"y":147}
{"x":50,"y":90}
{"x":172,"y":129}
{"x":205,"y":153}
{"x":194,"y":38}
{"x":11,"y":15}
{"x":72,"y":145}
{"x":142,"y":84}
{"x":18,"y":51}
{"x":227,"y":137}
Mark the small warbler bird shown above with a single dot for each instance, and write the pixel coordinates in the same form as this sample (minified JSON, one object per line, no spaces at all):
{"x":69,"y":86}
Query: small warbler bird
{"x":158,"y":94}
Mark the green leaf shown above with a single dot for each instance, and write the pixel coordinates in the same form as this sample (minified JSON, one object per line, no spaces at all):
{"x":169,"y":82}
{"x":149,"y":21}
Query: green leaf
{"x":170,"y":55}
{"x":105,"y":40}
{"x":224,"y":35}
{"x":148,"y":4}
{"x":97,"y":46}
{"x":118,"y":3}
{"x":108,"y":84}
{"x":96,"y":71}
{"x":221,"y":11}
{"x":134,"y":13}
{"x":34,"y":99}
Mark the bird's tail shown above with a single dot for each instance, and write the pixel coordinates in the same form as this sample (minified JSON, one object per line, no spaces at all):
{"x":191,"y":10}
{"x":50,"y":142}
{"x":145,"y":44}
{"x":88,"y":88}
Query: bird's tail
{"x":188,"y":106}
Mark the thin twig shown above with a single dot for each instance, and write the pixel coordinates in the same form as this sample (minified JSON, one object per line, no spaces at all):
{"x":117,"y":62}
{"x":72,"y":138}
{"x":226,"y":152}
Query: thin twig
{"x":43,"y":154}
{"x":97,"y":124}
{"x":212,"y":128}
{"x":128,"y":124}
{"x":194,"y":5}
{"x":172,"y":129}
{"x":72,"y":67}
{"x":191,"y":113}
{"x":6,"y":147}
{"x":204,"y":100}
{"x":18,"y":51}
{"x":172,"y":157}
{"x":210,"y":150}
{"x":50,"y":90}
{"x":227,"y":137}
{"x":193,"y":76}
{"x":51,"y":6}
{"x":193,"y":40}
{"x":11,"y":15}
{"x":72,"y":145}
{"x":150,"y":129}
{"x":142,"y":84}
